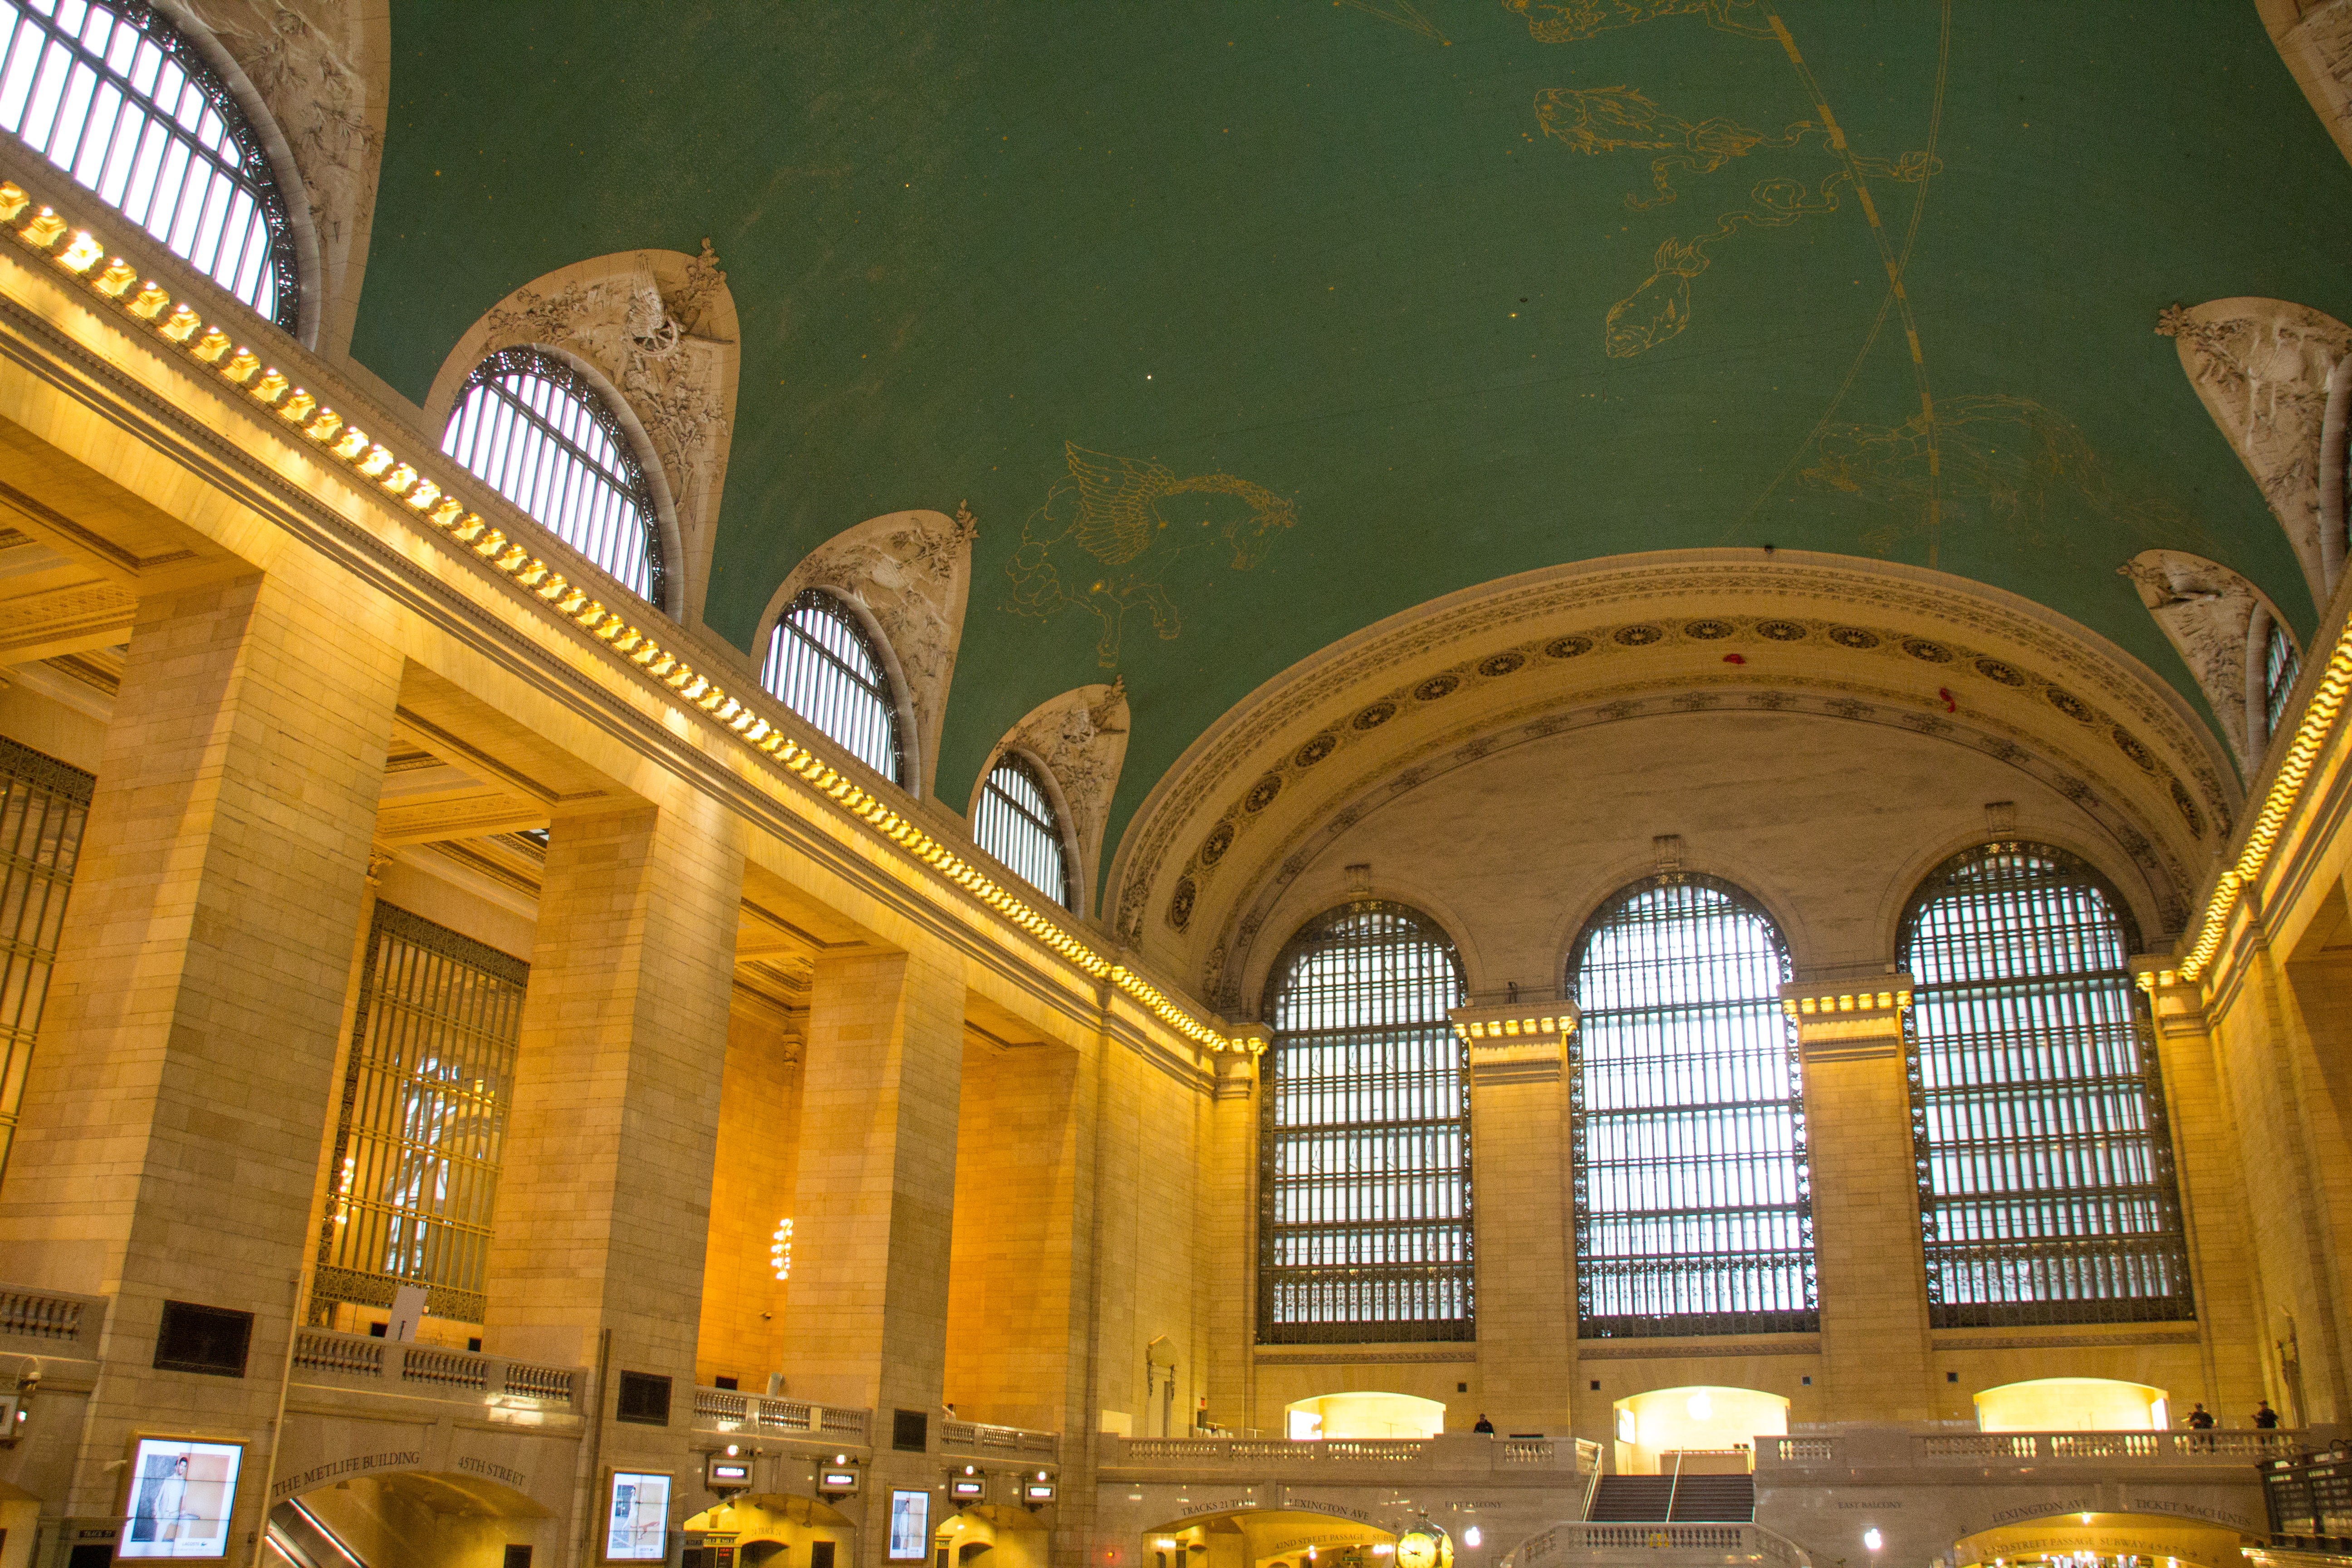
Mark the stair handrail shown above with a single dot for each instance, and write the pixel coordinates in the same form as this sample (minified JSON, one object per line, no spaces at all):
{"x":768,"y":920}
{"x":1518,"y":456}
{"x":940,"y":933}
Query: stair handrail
{"x":1593,"y":1488}
{"x":1675,"y":1489}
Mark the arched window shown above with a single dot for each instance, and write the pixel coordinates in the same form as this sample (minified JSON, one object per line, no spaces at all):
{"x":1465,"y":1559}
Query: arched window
{"x":2046,"y":1190}
{"x":1015,"y":821}
{"x":112,"y":95}
{"x":532,"y":426}
{"x":2281,"y":665}
{"x":823,"y":667}
{"x":1694,"y":1209}
{"x":1364,"y":1229}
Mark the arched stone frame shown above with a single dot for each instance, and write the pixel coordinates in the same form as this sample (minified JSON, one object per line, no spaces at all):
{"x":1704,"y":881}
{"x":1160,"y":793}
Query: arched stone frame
{"x":2262,"y":369}
{"x":910,"y":572}
{"x":655,"y":332}
{"x":1903,"y":883}
{"x":2218,"y":621}
{"x":2334,"y":519}
{"x":1081,"y":894}
{"x":1079,"y":740}
{"x":1876,"y":643}
{"x":321,"y":73}
{"x":1629,"y":872}
{"x":1324,"y":896}
{"x":911,"y":751}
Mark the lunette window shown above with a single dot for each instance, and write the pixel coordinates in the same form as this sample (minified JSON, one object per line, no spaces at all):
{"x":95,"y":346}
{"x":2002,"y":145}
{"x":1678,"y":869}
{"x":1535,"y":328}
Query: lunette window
{"x":43,"y":807}
{"x":1364,"y":1140}
{"x":113,"y":95}
{"x":822,"y":665}
{"x":423,"y":1118}
{"x":2046,"y":1188}
{"x":1691,"y":1189}
{"x":2281,"y":665}
{"x":1015,"y":821}
{"x":532,"y":426}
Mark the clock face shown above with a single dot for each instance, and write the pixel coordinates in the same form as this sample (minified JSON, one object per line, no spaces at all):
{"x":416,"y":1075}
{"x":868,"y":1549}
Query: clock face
{"x":1416,"y":1549}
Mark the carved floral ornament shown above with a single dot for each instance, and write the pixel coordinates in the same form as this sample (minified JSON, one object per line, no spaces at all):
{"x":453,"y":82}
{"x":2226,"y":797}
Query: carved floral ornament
{"x":1080,"y":737}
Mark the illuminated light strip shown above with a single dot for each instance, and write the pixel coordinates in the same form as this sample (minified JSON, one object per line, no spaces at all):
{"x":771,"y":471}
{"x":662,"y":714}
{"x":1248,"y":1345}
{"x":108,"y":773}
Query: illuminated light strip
{"x":2285,"y":792}
{"x":179,"y":323}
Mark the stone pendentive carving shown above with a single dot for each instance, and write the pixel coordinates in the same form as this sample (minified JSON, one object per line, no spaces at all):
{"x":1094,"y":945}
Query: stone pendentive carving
{"x":1081,"y":738}
{"x":659,"y":327}
{"x":1172,"y":821}
{"x":2261,"y":368}
{"x":912,"y":571}
{"x":320,"y":71}
{"x":2317,"y":47}
{"x":2207,"y":612}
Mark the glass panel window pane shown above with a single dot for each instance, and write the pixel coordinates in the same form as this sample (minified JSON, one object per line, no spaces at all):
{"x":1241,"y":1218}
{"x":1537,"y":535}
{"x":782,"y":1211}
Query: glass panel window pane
{"x":1693,"y":1208}
{"x":160,"y":139}
{"x":1015,"y":822}
{"x":1365,"y":1136}
{"x":512,"y":428}
{"x":43,"y":804}
{"x":2046,"y":1189}
{"x":822,"y":665}
{"x":2280,"y":667}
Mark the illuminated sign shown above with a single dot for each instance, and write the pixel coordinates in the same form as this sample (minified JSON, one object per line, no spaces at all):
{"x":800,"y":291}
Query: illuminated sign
{"x":910,"y":1526}
{"x":838,"y":1480}
{"x":182,"y":1494}
{"x":636,"y":1518}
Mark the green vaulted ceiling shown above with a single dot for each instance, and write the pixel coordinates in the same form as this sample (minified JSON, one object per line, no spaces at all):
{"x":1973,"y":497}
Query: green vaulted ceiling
{"x":1371,"y":301}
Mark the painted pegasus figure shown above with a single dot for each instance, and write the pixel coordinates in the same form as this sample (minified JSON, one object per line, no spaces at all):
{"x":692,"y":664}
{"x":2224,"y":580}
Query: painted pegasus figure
{"x":1136,"y":518}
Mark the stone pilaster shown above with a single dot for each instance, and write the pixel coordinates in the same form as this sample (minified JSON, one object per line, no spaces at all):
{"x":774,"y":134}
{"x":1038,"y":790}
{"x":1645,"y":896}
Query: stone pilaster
{"x":603,"y":1201}
{"x":881,"y":1087}
{"x":170,"y":1143}
{"x":1228,"y":1299}
{"x":1522,"y":1239}
{"x":1867,"y":1245}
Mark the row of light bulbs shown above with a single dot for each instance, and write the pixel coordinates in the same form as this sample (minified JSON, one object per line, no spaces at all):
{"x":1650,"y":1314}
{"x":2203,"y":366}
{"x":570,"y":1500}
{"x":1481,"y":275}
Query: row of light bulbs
{"x":180,"y":324}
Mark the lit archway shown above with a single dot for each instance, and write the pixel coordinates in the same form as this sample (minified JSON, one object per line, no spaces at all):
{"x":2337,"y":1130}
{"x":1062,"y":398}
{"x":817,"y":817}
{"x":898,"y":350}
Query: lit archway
{"x":1701,"y":1423}
{"x":1269,"y":1538}
{"x":2101,"y":1540}
{"x":2073,"y":1405}
{"x":775,"y":1527}
{"x":1365,"y":1414}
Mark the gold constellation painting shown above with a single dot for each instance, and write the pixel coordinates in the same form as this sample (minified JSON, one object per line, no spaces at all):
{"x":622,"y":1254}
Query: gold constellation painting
{"x":1118,"y":526}
{"x":1599,"y":120}
{"x":1566,"y":21}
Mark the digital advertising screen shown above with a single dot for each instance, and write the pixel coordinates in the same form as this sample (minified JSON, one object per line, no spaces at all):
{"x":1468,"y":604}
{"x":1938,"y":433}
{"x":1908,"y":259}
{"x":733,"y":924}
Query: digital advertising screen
{"x":910,"y":1526}
{"x":636,"y":1518}
{"x":182,"y":1494}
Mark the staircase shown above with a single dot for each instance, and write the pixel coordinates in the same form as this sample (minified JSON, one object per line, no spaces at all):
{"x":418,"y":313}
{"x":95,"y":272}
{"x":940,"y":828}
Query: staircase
{"x":1623,"y":1499}
{"x":1680,"y":1499}
{"x":1714,"y":1499}
{"x":300,"y":1537}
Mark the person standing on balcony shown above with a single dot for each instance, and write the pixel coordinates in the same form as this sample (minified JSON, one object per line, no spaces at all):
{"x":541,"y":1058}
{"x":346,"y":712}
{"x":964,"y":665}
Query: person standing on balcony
{"x":1483,"y":1425}
{"x":2267,"y":1418}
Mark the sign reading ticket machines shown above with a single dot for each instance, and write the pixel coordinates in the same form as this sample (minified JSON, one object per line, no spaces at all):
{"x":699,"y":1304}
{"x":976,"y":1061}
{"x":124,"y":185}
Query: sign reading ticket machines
{"x":182,"y":1495}
{"x":636,"y":1518}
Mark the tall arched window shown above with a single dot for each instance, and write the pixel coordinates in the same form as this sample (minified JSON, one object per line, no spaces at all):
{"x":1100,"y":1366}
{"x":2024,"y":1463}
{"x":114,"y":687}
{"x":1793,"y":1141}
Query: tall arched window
{"x":1015,"y":821}
{"x":114,"y":95}
{"x":2281,"y":665}
{"x":823,"y":667}
{"x":535,"y":427}
{"x":2046,"y":1190}
{"x":1694,"y":1209}
{"x":1364,"y":1185}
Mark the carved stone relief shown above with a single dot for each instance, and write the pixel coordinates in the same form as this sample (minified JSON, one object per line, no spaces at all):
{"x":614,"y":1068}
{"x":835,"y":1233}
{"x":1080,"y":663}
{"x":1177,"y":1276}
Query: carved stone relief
{"x":912,"y":573}
{"x":2261,"y":366}
{"x":2205,"y":609}
{"x":319,"y":69}
{"x":659,"y":327}
{"x":1081,"y":737}
{"x":2317,"y":47}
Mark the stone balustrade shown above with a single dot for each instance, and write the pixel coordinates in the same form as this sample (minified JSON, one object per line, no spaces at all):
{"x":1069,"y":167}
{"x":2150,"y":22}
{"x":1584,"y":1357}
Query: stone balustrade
{"x":1667,"y":1545}
{"x":432,"y":1371}
{"x":726,"y":1410}
{"x":1277,"y":1458}
{"x":60,"y":1320}
{"x":2235,"y":1450}
{"x":979,"y":1437}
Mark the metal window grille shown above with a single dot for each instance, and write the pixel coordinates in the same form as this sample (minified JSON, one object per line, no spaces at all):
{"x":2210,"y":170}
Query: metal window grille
{"x":43,"y":805}
{"x":544,"y":438}
{"x":423,"y":1117}
{"x":823,"y":667}
{"x":114,"y":95}
{"x":2281,"y":664}
{"x":1015,"y":821}
{"x":2046,"y":1189}
{"x":1693,"y":1193}
{"x":1364,"y":1141}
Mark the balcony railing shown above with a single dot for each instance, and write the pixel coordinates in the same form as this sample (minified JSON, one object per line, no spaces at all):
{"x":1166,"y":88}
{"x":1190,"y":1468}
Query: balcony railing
{"x":51,"y":1316}
{"x":726,"y":1410}
{"x":1582,"y":1541}
{"x":978,"y":1436}
{"x":432,"y":1371}
{"x":1880,"y":1449}
{"x":1459,"y":1451}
